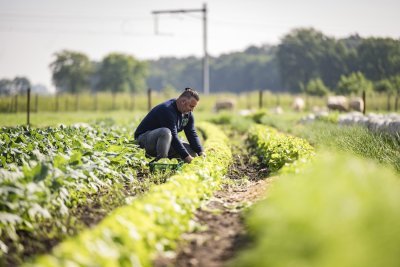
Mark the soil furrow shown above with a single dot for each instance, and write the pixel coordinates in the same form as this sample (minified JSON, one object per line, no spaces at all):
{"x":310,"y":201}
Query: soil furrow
{"x":222,"y":231}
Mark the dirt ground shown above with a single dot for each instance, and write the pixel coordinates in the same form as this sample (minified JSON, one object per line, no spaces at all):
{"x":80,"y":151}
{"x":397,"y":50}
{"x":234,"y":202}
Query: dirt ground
{"x":224,"y":232}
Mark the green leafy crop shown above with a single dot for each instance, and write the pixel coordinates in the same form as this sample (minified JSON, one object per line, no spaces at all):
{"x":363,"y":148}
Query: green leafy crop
{"x":341,"y":211}
{"x":45,"y":172}
{"x":277,"y":150}
{"x":132,"y":235}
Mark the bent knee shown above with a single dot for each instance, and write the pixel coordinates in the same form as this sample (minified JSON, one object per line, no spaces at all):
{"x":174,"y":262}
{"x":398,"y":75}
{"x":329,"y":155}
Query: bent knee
{"x":165,"y":132}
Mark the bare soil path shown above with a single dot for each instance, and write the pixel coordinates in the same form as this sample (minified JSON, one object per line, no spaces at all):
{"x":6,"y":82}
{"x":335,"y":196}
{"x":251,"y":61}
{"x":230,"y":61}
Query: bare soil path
{"x":223,"y":233}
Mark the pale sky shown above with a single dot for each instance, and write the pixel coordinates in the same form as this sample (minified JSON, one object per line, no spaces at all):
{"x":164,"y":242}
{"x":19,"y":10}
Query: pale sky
{"x":31,"y":31}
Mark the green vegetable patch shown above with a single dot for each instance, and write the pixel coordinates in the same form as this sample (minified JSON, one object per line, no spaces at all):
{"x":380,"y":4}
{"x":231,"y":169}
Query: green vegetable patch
{"x":340,"y":211}
{"x":46,"y":172}
{"x":278,"y":151}
{"x":133,"y":235}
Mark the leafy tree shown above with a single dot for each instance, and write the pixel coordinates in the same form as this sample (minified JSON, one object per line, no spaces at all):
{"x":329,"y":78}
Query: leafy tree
{"x":6,"y":87}
{"x":351,"y":58}
{"x":254,"y":68}
{"x":306,"y":54}
{"x":16,"y":86}
{"x":395,"y":81}
{"x":121,"y":73}
{"x":333,"y":62}
{"x":384,"y":86}
{"x":21,"y":84}
{"x":169,"y":91}
{"x":379,"y":58}
{"x":176,"y":72}
{"x":354,"y":83}
{"x":71,"y":71}
{"x":316,"y":87}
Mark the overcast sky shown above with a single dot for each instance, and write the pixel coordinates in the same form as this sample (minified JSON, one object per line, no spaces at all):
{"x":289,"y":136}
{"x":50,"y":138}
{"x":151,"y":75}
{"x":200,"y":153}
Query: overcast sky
{"x":32,"y":30}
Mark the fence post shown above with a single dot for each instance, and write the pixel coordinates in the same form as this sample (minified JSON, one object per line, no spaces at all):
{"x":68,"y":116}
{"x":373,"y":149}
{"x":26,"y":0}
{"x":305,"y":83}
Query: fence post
{"x":260,"y":99}
{"x":28,"y":106}
{"x":149,"y":99}
{"x":365,"y":103}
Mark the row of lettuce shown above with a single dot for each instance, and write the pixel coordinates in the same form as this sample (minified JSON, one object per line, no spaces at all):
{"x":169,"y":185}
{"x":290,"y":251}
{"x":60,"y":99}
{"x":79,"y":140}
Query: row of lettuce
{"x":47,"y":171}
{"x":134,"y":234}
{"x":339,"y":210}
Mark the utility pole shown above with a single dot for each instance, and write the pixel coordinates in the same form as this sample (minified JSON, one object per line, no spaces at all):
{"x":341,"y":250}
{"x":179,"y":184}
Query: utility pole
{"x":206,"y":72}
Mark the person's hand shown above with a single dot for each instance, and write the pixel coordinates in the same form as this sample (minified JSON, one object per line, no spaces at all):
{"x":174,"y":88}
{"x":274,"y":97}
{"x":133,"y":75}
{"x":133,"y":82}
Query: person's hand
{"x":188,"y":159}
{"x":202,"y":154}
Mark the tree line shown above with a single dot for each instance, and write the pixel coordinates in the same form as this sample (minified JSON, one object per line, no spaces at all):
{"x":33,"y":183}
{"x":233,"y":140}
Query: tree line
{"x":306,"y":60}
{"x":73,"y":72}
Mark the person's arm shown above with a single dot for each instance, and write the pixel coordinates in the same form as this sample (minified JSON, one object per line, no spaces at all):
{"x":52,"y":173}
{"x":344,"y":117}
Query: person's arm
{"x":169,"y":122}
{"x":193,"y":138}
{"x":188,"y":159}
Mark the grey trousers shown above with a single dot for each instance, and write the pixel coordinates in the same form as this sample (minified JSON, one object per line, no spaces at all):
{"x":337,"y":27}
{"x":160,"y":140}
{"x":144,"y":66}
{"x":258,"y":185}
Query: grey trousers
{"x":157,"y":143}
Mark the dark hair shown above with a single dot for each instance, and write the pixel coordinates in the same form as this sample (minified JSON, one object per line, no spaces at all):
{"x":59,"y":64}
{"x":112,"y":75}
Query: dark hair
{"x":189,"y":92}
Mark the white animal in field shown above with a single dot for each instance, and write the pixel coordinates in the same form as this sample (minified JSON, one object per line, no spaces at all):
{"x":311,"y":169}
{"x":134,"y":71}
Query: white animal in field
{"x":228,"y":104}
{"x":298,"y":104}
{"x":357,"y":104}
{"x":338,"y":103}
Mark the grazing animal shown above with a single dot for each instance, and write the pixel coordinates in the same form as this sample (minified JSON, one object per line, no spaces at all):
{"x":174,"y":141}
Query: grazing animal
{"x":224,"y":104}
{"x":298,"y":104}
{"x":357,"y":104}
{"x":337,"y":103}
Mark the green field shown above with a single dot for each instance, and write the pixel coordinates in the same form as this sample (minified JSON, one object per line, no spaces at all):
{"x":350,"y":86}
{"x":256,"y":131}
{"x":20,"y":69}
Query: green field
{"x":334,"y":189}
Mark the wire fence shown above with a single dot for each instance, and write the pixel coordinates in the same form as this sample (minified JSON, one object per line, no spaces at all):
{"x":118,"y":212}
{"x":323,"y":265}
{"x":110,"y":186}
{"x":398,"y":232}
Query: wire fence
{"x":374,"y":102}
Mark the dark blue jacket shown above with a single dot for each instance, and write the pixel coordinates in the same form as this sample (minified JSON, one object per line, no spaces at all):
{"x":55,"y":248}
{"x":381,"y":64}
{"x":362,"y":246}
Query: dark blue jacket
{"x":167,"y":115}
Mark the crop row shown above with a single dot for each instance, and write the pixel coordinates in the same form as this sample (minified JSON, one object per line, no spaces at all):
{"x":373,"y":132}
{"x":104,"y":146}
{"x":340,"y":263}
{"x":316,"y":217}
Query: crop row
{"x":338,"y":211}
{"x":47,"y":171}
{"x":133,"y":235}
{"x":277,"y":150}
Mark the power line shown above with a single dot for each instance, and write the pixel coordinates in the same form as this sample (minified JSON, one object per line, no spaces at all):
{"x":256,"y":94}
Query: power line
{"x":18,"y":16}
{"x":68,"y":24}
{"x":206,"y":80}
{"x":85,"y":32}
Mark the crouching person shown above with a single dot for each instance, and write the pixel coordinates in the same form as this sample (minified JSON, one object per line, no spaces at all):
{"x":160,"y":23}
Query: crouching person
{"x":157,"y":133}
